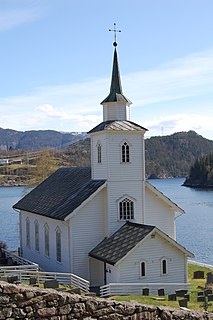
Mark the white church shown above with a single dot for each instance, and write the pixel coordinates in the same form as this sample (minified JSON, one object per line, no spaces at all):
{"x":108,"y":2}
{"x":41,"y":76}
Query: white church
{"x":106,"y":223}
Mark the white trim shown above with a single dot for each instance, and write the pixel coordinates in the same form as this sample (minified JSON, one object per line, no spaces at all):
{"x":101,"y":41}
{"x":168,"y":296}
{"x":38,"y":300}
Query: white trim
{"x":162,"y":267}
{"x":145,"y":264}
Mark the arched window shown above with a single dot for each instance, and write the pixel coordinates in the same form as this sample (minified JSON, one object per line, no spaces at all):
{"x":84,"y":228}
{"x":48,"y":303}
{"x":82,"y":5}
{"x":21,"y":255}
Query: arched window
{"x":99,"y":152}
{"x":126,"y":209}
{"x":143,"y":269}
{"x":36,"y":235}
{"x":58,"y":244}
{"x":125,"y":152}
{"x":164,"y":266}
{"x":46,"y":240}
{"x":28,"y":232}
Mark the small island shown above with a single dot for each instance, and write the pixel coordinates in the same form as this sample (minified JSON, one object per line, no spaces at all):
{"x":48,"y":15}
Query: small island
{"x":201,"y":173}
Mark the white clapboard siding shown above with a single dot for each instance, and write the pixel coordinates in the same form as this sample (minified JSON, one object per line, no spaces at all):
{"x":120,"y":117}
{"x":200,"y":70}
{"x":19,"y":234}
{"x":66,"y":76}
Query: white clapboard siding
{"x":87,"y":231}
{"x":115,"y":111}
{"x":111,"y":167}
{"x":96,"y":272}
{"x":152,"y":250}
{"x":47,"y":263}
{"x":118,"y":171}
{"x":119,"y":189}
{"x":159,"y":214}
{"x":99,"y":170}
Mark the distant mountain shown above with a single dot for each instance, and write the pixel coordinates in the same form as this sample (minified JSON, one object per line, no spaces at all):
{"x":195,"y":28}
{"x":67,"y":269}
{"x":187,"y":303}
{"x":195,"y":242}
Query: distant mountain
{"x":35,"y":140}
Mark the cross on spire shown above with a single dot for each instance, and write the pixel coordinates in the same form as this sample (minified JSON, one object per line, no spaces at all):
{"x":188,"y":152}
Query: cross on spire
{"x":114,"y":30}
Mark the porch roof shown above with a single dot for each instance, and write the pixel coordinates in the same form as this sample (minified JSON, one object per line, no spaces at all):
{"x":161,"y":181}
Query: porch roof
{"x":114,"y":248}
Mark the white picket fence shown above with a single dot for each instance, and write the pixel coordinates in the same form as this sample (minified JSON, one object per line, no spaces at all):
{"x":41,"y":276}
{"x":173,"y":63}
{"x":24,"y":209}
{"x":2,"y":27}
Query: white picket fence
{"x":26,"y":269}
{"x":22,"y":264}
{"x":40,"y":276}
{"x":114,"y":289}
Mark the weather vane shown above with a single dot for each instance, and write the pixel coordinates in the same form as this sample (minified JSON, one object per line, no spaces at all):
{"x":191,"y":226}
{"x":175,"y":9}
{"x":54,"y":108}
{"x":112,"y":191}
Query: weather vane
{"x":115,"y":31}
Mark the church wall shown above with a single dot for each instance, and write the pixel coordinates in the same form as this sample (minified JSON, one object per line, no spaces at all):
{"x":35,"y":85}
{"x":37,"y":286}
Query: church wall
{"x":87,"y":230}
{"x":47,"y":263}
{"x":152,"y":250}
{"x":117,"y":190}
{"x":99,"y":170}
{"x":159,"y":214}
{"x":115,"y":111}
{"x":96,"y":272}
{"x":134,"y":170}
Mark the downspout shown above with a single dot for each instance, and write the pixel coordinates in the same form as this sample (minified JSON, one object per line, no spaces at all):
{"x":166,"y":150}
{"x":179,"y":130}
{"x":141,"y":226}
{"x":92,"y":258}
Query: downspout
{"x":105,"y":271}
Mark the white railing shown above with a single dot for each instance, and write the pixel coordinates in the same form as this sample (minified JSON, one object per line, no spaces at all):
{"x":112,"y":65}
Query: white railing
{"x":201,"y":264}
{"x":21,"y":262}
{"x":113,"y":289}
{"x":41,"y":277}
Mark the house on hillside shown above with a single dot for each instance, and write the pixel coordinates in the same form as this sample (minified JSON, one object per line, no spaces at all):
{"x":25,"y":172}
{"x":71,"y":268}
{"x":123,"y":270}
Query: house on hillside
{"x":106,"y":223}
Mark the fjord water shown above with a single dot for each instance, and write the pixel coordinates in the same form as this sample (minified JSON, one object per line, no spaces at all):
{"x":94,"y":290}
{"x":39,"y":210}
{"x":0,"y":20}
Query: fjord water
{"x":194,"y":228}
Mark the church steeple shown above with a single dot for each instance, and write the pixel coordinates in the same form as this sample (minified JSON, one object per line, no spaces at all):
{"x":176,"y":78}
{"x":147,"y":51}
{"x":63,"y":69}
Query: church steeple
{"x":116,"y":93}
{"x":116,"y":105}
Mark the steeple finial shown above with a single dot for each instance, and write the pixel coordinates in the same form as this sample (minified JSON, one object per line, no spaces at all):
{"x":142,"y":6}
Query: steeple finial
{"x":114,"y":30}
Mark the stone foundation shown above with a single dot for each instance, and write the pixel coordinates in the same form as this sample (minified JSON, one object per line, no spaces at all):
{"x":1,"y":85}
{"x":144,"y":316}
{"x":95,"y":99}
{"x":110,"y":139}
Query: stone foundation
{"x":24,"y":302}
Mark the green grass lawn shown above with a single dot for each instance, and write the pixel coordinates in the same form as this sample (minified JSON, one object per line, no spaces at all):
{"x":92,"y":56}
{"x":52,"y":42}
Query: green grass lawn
{"x":195,"y":286}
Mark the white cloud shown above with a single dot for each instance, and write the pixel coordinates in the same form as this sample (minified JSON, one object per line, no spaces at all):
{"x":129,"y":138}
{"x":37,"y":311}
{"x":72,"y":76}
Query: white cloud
{"x":180,"y":122}
{"x":75,"y":107}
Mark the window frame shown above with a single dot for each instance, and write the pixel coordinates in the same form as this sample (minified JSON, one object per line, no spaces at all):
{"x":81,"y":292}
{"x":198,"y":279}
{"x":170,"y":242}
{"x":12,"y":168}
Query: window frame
{"x":46,"y":240}
{"x":99,"y":152}
{"x":144,"y":269}
{"x":58,"y":245}
{"x":36,"y":229}
{"x":126,"y":208}
{"x":28,"y":232}
{"x":125,"y":152}
{"x":164,"y":266}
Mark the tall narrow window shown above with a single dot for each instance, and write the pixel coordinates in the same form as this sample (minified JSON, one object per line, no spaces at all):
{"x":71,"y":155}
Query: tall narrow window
{"x":164,"y":266}
{"x":46,"y":240}
{"x":143,"y":269}
{"x":28,"y":232}
{"x":125,"y":152}
{"x":126,"y":209}
{"x":58,"y":245}
{"x":36,"y":235}
{"x":99,"y":152}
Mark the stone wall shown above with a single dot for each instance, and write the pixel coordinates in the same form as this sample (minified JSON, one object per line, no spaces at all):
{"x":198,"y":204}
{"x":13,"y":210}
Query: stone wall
{"x":24,"y":302}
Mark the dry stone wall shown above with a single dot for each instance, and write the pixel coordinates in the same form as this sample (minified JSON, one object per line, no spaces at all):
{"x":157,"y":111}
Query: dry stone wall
{"x":24,"y":302}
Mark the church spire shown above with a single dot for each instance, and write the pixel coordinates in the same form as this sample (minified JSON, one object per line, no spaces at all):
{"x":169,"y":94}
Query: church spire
{"x":116,"y":94}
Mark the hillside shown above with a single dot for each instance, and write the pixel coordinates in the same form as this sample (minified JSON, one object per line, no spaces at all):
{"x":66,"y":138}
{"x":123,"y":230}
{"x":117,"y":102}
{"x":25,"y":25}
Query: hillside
{"x":36,"y":139}
{"x":201,"y":173}
{"x":173,"y":155}
{"x":166,"y":156}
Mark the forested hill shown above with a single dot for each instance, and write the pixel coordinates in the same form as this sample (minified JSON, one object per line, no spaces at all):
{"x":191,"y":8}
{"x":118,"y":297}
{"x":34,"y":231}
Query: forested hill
{"x":173,"y":155}
{"x":201,"y":173}
{"x":166,"y":156}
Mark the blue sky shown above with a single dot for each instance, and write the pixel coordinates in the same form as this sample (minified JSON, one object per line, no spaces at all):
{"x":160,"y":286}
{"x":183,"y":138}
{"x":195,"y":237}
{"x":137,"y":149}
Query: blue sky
{"x":56,"y":60}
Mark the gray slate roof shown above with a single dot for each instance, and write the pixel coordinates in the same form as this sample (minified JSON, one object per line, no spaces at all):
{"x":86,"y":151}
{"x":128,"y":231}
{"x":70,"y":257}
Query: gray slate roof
{"x":118,"y":125}
{"x":114,"y":248}
{"x":61,"y":193}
